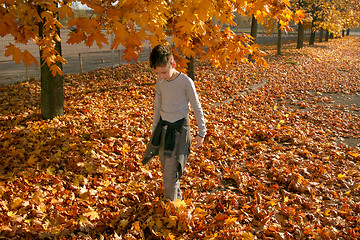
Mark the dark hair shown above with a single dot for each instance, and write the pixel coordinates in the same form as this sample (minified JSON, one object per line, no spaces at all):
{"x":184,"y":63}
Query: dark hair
{"x":160,"y":56}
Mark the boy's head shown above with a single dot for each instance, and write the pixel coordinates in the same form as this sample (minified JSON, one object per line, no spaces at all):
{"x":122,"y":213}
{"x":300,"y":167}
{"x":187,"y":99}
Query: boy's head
{"x":162,"y":62}
{"x":160,"y":56}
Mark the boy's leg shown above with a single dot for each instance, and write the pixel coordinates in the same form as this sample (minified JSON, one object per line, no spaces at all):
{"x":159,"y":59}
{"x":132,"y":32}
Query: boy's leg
{"x":170,"y":167}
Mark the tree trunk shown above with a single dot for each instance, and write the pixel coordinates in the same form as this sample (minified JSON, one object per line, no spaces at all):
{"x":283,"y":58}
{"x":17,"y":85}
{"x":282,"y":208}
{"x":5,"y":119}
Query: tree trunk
{"x":331,"y":35}
{"x":321,"y":35}
{"x":348,"y":32}
{"x":327,"y":36}
{"x":313,"y":34}
{"x":343,"y":33}
{"x":191,"y":68}
{"x":300,"y":39}
{"x":254,"y":27}
{"x":52,"y":93}
{"x":279,"y":39}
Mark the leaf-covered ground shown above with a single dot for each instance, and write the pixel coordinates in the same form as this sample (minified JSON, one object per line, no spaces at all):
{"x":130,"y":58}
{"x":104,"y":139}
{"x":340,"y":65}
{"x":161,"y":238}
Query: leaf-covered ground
{"x":274,"y":165}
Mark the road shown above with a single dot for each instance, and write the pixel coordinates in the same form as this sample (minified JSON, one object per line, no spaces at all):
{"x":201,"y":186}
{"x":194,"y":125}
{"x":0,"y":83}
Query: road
{"x":92,"y":58}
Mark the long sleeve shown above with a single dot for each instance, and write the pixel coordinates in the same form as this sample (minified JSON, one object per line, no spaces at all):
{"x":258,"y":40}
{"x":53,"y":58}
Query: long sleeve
{"x":196,"y":106}
{"x":157,"y":106}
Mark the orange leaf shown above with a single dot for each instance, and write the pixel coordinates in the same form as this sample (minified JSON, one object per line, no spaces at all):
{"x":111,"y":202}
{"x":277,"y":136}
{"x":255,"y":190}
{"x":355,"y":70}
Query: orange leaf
{"x":55,"y":70}
{"x":98,"y":37}
{"x":76,"y":37}
{"x":15,"y":52}
{"x":130,"y":54}
{"x":29,"y":58}
{"x":66,"y":10}
{"x":354,"y":154}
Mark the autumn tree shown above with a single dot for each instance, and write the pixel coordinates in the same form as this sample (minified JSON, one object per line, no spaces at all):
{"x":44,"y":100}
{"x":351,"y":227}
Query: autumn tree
{"x":272,"y":15}
{"x":37,"y":21}
{"x":192,"y":27}
{"x":52,"y":94}
{"x":327,"y":15}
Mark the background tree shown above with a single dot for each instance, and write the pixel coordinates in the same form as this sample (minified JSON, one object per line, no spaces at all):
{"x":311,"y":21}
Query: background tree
{"x":37,"y":21}
{"x":273,"y":15}
{"x":326,"y":15}
{"x":52,"y":94}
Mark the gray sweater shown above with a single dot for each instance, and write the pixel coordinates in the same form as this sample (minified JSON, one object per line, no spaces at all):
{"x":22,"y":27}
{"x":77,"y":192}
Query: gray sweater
{"x":173,"y":99}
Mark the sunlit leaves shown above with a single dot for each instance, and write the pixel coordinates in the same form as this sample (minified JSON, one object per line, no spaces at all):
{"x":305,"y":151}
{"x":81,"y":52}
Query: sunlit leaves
{"x":192,"y":25}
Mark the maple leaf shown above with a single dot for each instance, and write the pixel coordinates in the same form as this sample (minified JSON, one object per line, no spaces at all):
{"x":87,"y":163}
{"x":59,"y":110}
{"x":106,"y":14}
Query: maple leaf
{"x":3,"y":29}
{"x":92,"y":215}
{"x":29,"y":58}
{"x":15,"y":52}
{"x":99,"y":37}
{"x":65,"y":10}
{"x":179,"y":204}
{"x":55,"y":70}
{"x":76,"y":37}
{"x":354,"y":154}
{"x":130,"y":54}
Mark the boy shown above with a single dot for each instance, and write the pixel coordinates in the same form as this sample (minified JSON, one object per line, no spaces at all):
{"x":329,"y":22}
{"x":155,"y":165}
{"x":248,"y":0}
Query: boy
{"x":170,"y":137}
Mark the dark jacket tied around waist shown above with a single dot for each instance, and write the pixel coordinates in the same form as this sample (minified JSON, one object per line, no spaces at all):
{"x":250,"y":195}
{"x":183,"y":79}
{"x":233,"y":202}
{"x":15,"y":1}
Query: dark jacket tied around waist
{"x":169,"y":135}
{"x":183,"y":151}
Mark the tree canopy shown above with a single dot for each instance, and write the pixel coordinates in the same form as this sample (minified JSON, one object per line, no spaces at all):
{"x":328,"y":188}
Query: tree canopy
{"x":333,"y":16}
{"x":192,"y":26}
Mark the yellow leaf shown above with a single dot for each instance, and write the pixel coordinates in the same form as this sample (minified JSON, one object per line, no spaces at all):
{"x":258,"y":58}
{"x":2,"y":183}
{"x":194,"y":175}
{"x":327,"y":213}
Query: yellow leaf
{"x":123,"y":223}
{"x":230,"y":220}
{"x":355,"y":155}
{"x":172,"y":221}
{"x":11,"y":214}
{"x":327,"y":212}
{"x":286,"y":2}
{"x":99,"y":37}
{"x":247,"y":236}
{"x":340,"y":176}
{"x":32,"y":159}
{"x":300,"y":13}
{"x":136,"y":226}
{"x":125,"y":149}
{"x":92,"y":215}
{"x":50,"y":170}
{"x":179,"y":203}
{"x":16,"y":203}
{"x":272,"y":203}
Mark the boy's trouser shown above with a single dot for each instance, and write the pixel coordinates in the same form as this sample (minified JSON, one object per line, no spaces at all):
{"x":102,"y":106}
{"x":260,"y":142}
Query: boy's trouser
{"x":170,"y":167}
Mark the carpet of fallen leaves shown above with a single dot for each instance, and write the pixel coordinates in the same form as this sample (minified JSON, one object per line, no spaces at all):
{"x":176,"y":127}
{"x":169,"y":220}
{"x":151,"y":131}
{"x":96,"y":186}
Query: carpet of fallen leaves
{"x":272,"y":166}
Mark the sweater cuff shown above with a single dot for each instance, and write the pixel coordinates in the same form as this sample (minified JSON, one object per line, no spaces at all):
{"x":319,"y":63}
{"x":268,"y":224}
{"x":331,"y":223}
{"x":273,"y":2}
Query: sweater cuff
{"x":202,"y":136}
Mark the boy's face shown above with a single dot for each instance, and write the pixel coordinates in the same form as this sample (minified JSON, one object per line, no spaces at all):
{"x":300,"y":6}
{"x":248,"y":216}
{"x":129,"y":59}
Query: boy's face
{"x":165,"y":72}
